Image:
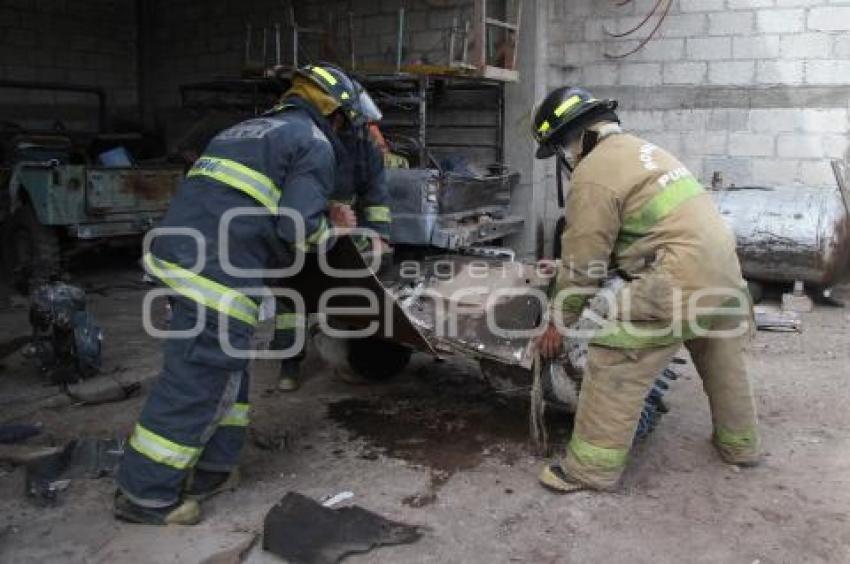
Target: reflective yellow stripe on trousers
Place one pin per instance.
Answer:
(203, 290)
(288, 320)
(236, 175)
(161, 450)
(237, 416)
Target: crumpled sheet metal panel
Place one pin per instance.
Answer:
(788, 234)
(450, 309)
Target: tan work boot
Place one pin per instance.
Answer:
(553, 477)
(184, 512)
(738, 457)
(288, 384)
(738, 449)
(202, 484)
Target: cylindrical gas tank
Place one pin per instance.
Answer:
(788, 234)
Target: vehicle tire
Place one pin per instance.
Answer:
(377, 359)
(756, 290)
(31, 252)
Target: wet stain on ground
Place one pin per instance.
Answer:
(445, 429)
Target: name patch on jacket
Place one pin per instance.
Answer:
(251, 129)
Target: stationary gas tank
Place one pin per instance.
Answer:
(788, 234)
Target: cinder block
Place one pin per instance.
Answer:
(756, 47)
(728, 120)
(428, 40)
(640, 74)
(684, 25)
(817, 173)
(775, 172)
(834, 18)
(781, 21)
(709, 48)
(795, 3)
(824, 120)
(779, 72)
(730, 23)
(725, 72)
(685, 73)
(685, 120)
(383, 24)
(670, 141)
(735, 170)
(706, 143)
(441, 19)
(775, 120)
(661, 50)
(642, 120)
(827, 71)
(701, 5)
(805, 46)
(834, 146)
(800, 146)
(841, 47)
(744, 4)
(751, 145)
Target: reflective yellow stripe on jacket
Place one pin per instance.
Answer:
(660, 206)
(161, 450)
(378, 214)
(203, 290)
(236, 175)
(237, 416)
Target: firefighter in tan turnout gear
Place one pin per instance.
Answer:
(635, 210)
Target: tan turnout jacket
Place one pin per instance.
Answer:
(634, 207)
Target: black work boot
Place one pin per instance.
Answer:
(183, 512)
(204, 484)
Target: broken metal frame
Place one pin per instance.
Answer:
(423, 85)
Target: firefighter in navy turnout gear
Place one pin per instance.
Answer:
(186, 444)
(361, 183)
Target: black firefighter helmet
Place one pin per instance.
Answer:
(565, 113)
(336, 84)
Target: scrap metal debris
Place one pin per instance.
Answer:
(66, 342)
(17, 432)
(302, 531)
(768, 319)
(80, 458)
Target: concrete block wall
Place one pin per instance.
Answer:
(196, 41)
(89, 42)
(754, 89)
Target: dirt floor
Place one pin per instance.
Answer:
(434, 448)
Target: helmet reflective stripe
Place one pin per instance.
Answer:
(329, 78)
(566, 105)
(544, 127)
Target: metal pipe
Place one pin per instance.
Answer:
(400, 39)
(277, 44)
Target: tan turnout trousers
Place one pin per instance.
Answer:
(612, 395)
